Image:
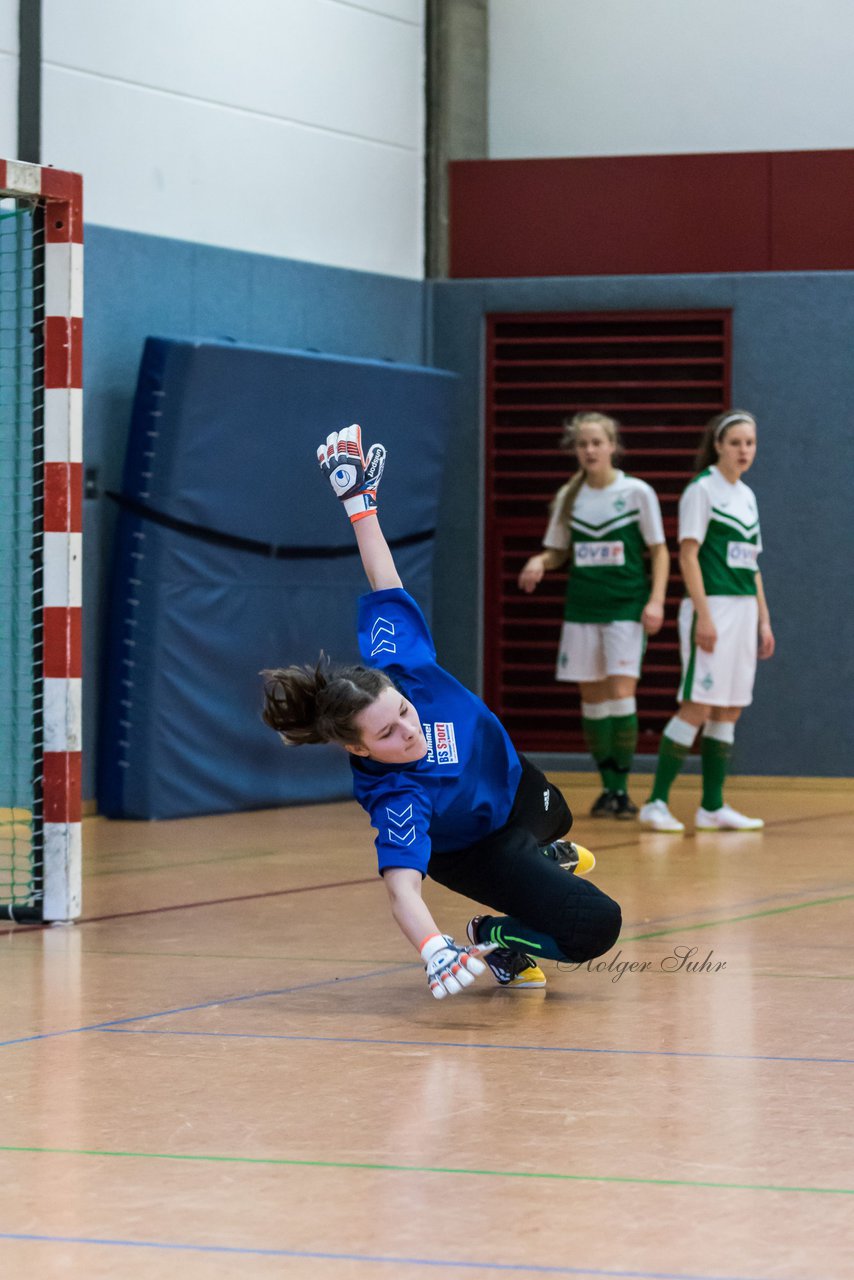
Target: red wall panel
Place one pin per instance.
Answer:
(663, 373)
(812, 211)
(751, 211)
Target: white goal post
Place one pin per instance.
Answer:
(41, 321)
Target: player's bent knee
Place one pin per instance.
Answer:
(594, 935)
(610, 929)
(560, 814)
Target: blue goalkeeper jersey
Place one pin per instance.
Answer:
(465, 786)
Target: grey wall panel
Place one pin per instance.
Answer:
(792, 365)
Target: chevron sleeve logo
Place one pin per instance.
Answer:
(398, 832)
(380, 632)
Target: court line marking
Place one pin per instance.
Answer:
(189, 906)
(145, 869)
(686, 915)
(756, 915)
(743, 972)
(207, 1004)
(746, 902)
(370, 1166)
(771, 825)
(215, 902)
(461, 1044)
(328, 1256)
(338, 884)
(116, 1023)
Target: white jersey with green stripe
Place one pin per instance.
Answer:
(608, 533)
(723, 518)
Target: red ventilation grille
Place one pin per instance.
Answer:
(662, 375)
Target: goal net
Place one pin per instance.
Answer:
(41, 256)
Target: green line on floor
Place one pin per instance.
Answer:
(756, 915)
(414, 1168)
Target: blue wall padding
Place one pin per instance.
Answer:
(224, 437)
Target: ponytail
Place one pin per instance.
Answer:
(307, 704)
(564, 500)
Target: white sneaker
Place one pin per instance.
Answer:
(657, 817)
(725, 819)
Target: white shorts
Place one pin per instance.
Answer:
(723, 678)
(594, 650)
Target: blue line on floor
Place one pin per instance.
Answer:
(205, 1004)
(462, 1044)
(324, 1256)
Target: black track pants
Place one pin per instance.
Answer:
(508, 872)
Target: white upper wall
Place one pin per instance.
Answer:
(286, 127)
(644, 77)
(8, 79)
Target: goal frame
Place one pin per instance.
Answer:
(57, 812)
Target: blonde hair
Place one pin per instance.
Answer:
(564, 500)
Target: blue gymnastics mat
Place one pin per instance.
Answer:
(232, 555)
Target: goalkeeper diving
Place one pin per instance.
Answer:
(446, 791)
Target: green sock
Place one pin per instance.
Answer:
(625, 740)
(509, 932)
(598, 736)
(715, 757)
(671, 757)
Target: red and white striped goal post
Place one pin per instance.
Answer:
(60, 194)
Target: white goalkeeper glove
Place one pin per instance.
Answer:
(354, 477)
(449, 967)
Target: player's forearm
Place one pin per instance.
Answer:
(692, 576)
(660, 560)
(377, 560)
(552, 558)
(403, 886)
(762, 603)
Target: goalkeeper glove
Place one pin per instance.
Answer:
(354, 477)
(449, 967)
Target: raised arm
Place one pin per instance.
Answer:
(355, 479)
(377, 560)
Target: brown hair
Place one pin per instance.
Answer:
(320, 703)
(564, 500)
(716, 429)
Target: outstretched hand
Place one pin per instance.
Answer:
(353, 476)
(451, 968)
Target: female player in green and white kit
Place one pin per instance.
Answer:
(604, 520)
(724, 623)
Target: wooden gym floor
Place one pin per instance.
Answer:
(232, 1066)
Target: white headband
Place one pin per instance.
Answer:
(730, 419)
